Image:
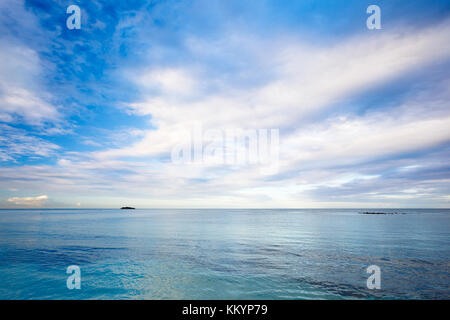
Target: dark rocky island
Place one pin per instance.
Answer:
(369, 212)
(127, 208)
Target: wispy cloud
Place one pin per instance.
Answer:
(38, 201)
(16, 143)
(21, 95)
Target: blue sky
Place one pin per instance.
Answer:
(88, 117)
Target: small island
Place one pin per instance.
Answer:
(368, 212)
(127, 208)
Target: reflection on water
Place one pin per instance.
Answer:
(224, 254)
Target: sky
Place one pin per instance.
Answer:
(89, 117)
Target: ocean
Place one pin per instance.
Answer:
(224, 254)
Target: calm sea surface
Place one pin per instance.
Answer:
(224, 254)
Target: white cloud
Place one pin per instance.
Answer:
(21, 92)
(168, 81)
(38, 201)
(360, 139)
(16, 143)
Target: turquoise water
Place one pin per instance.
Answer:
(224, 254)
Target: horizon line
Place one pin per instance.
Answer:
(224, 208)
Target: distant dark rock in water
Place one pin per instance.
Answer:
(368, 212)
(127, 208)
